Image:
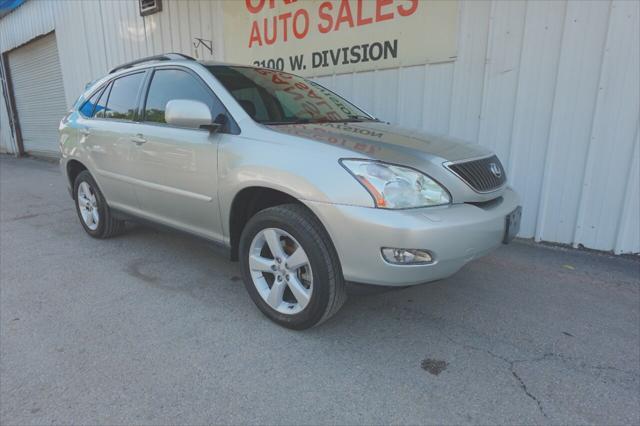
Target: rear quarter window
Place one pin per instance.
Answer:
(87, 109)
(101, 106)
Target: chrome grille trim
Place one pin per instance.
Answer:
(477, 173)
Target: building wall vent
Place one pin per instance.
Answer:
(148, 7)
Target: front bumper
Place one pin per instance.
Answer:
(455, 234)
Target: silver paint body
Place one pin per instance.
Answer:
(187, 179)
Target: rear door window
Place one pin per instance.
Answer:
(122, 103)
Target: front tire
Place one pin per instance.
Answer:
(290, 267)
(94, 213)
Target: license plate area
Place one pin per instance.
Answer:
(512, 226)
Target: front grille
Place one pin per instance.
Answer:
(484, 175)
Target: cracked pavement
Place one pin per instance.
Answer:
(155, 328)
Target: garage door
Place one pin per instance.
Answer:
(39, 94)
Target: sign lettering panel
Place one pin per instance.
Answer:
(316, 37)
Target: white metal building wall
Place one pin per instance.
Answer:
(552, 86)
(95, 36)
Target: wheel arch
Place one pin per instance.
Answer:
(249, 201)
(73, 169)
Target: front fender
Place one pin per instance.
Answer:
(301, 171)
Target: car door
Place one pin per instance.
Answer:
(106, 131)
(176, 168)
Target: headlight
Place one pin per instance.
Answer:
(397, 187)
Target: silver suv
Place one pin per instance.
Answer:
(305, 189)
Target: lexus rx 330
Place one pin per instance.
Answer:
(304, 188)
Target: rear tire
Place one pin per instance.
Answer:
(296, 306)
(94, 213)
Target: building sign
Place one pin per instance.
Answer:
(316, 37)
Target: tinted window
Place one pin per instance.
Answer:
(122, 99)
(169, 84)
(87, 108)
(101, 106)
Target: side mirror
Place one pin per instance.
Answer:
(187, 113)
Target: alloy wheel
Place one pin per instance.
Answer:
(88, 205)
(281, 271)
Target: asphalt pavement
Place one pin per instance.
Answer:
(154, 328)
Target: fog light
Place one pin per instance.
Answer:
(400, 256)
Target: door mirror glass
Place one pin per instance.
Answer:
(187, 113)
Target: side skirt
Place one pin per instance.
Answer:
(217, 246)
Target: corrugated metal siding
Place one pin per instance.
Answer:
(584, 33)
(628, 236)
(552, 86)
(110, 32)
(534, 103)
(613, 132)
(39, 93)
(31, 19)
(469, 69)
(95, 36)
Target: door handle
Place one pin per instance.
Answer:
(85, 131)
(138, 139)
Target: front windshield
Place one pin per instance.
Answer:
(276, 97)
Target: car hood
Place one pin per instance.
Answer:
(385, 142)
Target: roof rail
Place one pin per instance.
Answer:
(163, 57)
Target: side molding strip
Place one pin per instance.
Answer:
(156, 186)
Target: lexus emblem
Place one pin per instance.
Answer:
(495, 169)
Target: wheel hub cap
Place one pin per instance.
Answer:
(281, 271)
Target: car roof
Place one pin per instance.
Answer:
(176, 59)
(169, 59)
